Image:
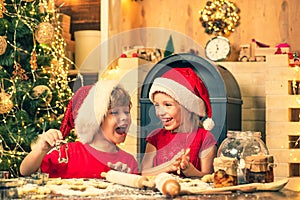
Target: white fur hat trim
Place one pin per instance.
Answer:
(180, 93)
(93, 110)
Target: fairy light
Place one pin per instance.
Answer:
(219, 17)
(55, 76)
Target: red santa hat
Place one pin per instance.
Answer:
(87, 109)
(187, 89)
(70, 114)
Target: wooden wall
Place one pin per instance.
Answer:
(269, 21)
(85, 14)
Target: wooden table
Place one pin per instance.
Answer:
(124, 193)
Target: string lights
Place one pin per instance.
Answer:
(33, 76)
(219, 17)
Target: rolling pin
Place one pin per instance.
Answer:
(167, 184)
(131, 180)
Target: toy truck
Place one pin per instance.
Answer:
(251, 52)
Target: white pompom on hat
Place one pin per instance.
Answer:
(187, 89)
(90, 108)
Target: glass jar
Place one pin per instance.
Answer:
(254, 145)
(240, 144)
(259, 169)
(225, 172)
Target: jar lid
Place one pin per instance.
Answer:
(254, 134)
(229, 165)
(258, 163)
(236, 134)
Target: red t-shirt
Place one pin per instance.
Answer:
(83, 161)
(168, 144)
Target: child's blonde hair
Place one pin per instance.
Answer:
(119, 97)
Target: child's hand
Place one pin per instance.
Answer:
(178, 162)
(174, 167)
(47, 140)
(175, 163)
(185, 159)
(119, 166)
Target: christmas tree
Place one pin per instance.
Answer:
(34, 87)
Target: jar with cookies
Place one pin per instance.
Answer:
(240, 144)
(225, 172)
(259, 169)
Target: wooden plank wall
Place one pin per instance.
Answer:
(269, 21)
(85, 14)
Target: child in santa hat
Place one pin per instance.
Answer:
(185, 144)
(101, 116)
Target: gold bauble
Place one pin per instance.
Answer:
(3, 45)
(40, 89)
(44, 33)
(6, 103)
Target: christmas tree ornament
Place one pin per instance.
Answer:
(33, 61)
(44, 33)
(7, 88)
(2, 8)
(6, 103)
(3, 45)
(19, 72)
(38, 92)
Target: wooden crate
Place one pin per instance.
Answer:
(282, 116)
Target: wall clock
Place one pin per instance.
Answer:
(217, 48)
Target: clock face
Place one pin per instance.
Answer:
(217, 49)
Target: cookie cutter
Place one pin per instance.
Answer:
(58, 145)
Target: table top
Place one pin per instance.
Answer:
(102, 189)
(146, 194)
(124, 193)
(278, 195)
